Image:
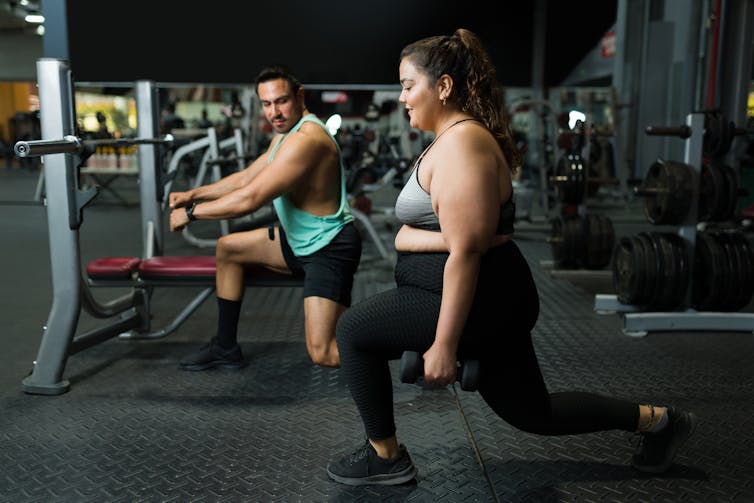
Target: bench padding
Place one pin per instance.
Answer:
(180, 268)
(113, 267)
(189, 267)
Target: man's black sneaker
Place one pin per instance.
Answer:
(364, 466)
(656, 450)
(213, 355)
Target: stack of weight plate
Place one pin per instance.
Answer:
(652, 270)
(581, 242)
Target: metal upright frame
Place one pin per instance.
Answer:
(150, 182)
(65, 202)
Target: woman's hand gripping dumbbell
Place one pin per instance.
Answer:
(412, 367)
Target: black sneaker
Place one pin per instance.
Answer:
(656, 450)
(213, 355)
(364, 466)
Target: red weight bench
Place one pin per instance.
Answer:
(175, 271)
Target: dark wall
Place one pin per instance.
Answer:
(325, 42)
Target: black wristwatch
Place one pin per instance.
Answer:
(190, 212)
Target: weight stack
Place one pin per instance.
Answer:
(581, 242)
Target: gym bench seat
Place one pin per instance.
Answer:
(175, 270)
(113, 268)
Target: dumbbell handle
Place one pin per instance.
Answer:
(412, 367)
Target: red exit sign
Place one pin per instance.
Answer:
(608, 45)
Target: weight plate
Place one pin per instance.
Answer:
(653, 272)
(709, 273)
(628, 270)
(710, 192)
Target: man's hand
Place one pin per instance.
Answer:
(179, 200)
(178, 218)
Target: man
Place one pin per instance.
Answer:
(302, 173)
(170, 120)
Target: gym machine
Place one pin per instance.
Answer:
(129, 315)
(65, 203)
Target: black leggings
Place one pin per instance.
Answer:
(497, 333)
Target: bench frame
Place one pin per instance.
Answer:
(132, 272)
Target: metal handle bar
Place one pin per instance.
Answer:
(72, 144)
(681, 131)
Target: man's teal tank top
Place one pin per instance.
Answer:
(307, 233)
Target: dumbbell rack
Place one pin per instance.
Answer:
(637, 323)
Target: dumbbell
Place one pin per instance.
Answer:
(412, 367)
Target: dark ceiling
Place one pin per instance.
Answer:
(334, 42)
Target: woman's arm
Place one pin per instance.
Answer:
(467, 229)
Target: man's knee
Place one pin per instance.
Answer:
(225, 248)
(237, 247)
(321, 318)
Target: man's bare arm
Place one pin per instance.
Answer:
(229, 183)
(291, 164)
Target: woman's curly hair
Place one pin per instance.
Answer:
(476, 90)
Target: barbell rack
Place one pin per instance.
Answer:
(638, 323)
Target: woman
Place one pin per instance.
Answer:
(463, 288)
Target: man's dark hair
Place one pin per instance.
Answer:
(277, 71)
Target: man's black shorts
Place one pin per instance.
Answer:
(328, 272)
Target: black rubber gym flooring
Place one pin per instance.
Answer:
(134, 428)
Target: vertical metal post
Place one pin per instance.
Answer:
(214, 153)
(248, 99)
(150, 179)
(56, 117)
(55, 38)
(693, 157)
(691, 61)
(736, 60)
(537, 131)
(240, 149)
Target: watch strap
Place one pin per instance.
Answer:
(190, 212)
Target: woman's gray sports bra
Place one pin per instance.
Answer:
(414, 204)
(414, 207)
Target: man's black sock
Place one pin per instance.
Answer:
(228, 312)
